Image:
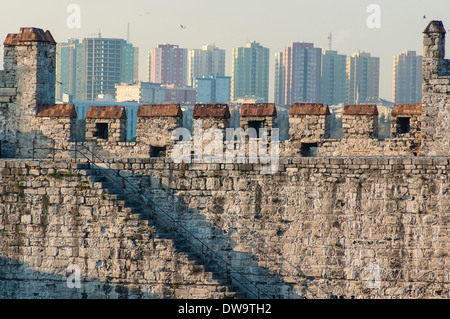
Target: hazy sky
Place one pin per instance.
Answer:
(232, 23)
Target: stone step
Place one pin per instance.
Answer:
(163, 231)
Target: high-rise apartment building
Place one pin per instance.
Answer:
(212, 89)
(250, 72)
(333, 88)
(407, 78)
(168, 65)
(130, 63)
(102, 66)
(278, 85)
(94, 66)
(209, 60)
(363, 77)
(68, 69)
(298, 74)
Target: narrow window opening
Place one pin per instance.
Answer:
(257, 125)
(404, 125)
(101, 131)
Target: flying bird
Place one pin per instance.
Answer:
(424, 17)
(183, 27)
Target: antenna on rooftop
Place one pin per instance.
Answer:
(330, 41)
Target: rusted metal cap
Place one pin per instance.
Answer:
(435, 26)
(309, 109)
(29, 35)
(56, 110)
(258, 110)
(106, 112)
(361, 109)
(407, 109)
(211, 111)
(159, 110)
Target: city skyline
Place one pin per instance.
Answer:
(274, 25)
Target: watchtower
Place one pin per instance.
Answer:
(28, 80)
(435, 94)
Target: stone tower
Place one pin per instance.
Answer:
(436, 88)
(27, 81)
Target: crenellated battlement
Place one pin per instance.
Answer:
(28, 80)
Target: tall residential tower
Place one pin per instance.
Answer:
(209, 60)
(298, 74)
(68, 69)
(407, 78)
(363, 77)
(333, 78)
(250, 72)
(168, 65)
(94, 66)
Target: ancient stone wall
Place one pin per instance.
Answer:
(54, 219)
(322, 225)
(360, 126)
(368, 147)
(318, 228)
(309, 128)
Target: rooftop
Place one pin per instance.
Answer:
(435, 27)
(211, 111)
(159, 110)
(407, 109)
(362, 109)
(309, 109)
(29, 35)
(106, 112)
(258, 109)
(56, 110)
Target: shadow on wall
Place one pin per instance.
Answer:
(17, 281)
(194, 227)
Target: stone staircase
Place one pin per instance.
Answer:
(165, 229)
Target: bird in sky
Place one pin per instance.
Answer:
(183, 27)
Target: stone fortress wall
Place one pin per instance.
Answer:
(334, 215)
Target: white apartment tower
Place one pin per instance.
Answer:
(363, 77)
(407, 78)
(209, 60)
